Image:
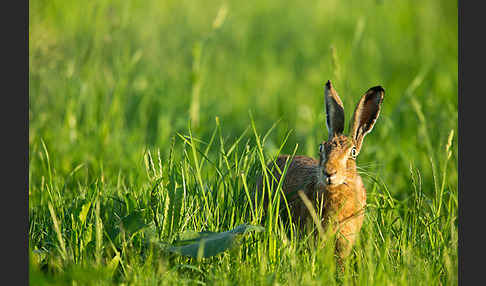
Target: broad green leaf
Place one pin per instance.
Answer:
(206, 244)
(190, 236)
(133, 222)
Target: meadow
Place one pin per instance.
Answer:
(148, 119)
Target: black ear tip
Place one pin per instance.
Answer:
(328, 84)
(377, 88)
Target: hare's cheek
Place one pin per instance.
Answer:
(344, 160)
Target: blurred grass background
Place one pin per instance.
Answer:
(110, 80)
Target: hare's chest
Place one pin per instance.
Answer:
(343, 206)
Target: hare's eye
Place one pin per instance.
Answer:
(354, 152)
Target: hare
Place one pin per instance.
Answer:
(333, 178)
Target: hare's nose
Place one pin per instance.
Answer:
(329, 176)
(330, 173)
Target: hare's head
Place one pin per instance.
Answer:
(338, 153)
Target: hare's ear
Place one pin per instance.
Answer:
(365, 114)
(334, 111)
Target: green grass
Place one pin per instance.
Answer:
(167, 111)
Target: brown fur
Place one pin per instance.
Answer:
(344, 204)
(333, 177)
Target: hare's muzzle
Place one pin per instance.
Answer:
(329, 177)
